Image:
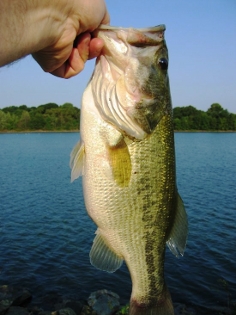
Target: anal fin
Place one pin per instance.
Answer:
(102, 257)
(178, 235)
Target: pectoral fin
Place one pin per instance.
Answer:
(103, 257)
(120, 162)
(118, 157)
(178, 235)
(77, 161)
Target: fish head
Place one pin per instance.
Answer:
(130, 82)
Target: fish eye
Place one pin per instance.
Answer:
(163, 62)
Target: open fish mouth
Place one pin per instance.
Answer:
(139, 37)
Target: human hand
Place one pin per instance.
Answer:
(73, 46)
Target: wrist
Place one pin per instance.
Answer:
(44, 25)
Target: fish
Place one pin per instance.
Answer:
(126, 156)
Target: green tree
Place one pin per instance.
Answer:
(10, 109)
(11, 120)
(43, 108)
(216, 118)
(37, 121)
(24, 107)
(231, 122)
(3, 120)
(50, 121)
(187, 118)
(217, 111)
(24, 121)
(204, 123)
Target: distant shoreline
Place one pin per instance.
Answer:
(208, 131)
(39, 131)
(73, 131)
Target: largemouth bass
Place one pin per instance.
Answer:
(127, 158)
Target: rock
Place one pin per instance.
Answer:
(17, 295)
(64, 311)
(76, 306)
(35, 310)
(4, 306)
(104, 302)
(23, 299)
(50, 301)
(17, 310)
(6, 292)
(87, 310)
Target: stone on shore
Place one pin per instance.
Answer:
(64, 311)
(17, 310)
(13, 300)
(4, 306)
(104, 302)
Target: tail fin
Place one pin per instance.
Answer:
(162, 306)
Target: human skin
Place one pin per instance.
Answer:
(56, 33)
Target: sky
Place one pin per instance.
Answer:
(201, 39)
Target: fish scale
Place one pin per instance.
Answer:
(129, 177)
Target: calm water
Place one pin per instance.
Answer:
(45, 234)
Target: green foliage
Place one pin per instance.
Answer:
(216, 118)
(47, 117)
(3, 120)
(124, 310)
(52, 117)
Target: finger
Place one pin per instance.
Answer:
(95, 47)
(77, 59)
(71, 67)
(82, 44)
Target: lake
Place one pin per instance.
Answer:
(46, 235)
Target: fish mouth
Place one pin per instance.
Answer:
(157, 28)
(139, 37)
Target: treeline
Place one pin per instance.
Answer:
(52, 117)
(214, 119)
(48, 117)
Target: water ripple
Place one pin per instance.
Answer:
(46, 235)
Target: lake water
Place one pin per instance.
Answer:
(46, 235)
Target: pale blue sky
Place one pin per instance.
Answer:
(201, 38)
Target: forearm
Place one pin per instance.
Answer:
(26, 26)
(47, 29)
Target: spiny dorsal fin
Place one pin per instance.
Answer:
(102, 257)
(77, 161)
(178, 235)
